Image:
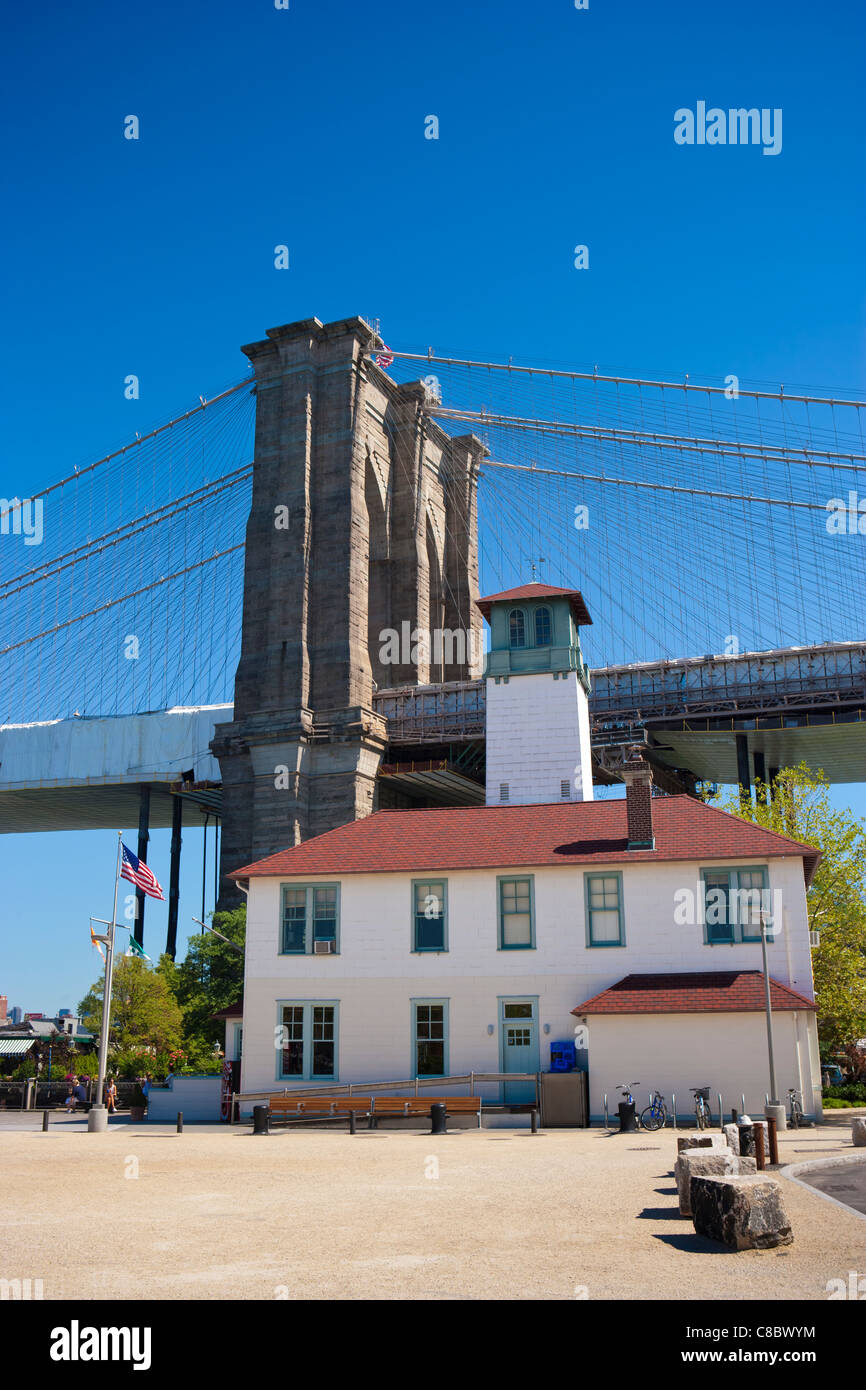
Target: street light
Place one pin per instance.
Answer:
(774, 1109)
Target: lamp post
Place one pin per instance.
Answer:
(97, 1119)
(773, 1110)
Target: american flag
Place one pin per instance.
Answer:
(385, 357)
(138, 873)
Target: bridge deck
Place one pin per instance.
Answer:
(797, 704)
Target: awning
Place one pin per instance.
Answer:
(15, 1047)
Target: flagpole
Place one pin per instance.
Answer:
(97, 1119)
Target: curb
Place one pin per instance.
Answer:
(793, 1170)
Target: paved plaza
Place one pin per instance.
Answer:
(216, 1213)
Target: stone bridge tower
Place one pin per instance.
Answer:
(363, 519)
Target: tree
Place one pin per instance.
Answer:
(144, 1012)
(799, 808)
(208, 980)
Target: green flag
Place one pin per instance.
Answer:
(136, 950)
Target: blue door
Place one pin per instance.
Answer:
(518, 1027)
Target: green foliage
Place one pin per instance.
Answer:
(801, 810)
(853, 1092)
(84, 1064)
(161, 1017)
(144, 1014)
(207, 981)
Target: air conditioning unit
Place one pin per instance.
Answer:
(323, 948)
(814, 939)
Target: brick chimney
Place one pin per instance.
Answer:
(638, 779)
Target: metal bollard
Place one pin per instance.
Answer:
(759, 1148)
(627, 1121)
(533, 1122)
(734, 1116)
(773, 1138)
(674, 1108)
(721, 1111)
(44, 1121)
(260, 1119)
(180, 1122)
(351, 1122)
(437, 1117)
(606, 1119)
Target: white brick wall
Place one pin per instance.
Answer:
(375, 975)
(537, 736)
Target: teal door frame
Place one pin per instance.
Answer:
(527, 1052)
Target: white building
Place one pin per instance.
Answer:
(438, 942)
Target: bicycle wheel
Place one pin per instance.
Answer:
(702, 1116)
(651, 1118)
(796, 1114)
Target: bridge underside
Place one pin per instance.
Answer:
(115, 807)
(711, 754)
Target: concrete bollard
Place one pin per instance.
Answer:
(858, 1133)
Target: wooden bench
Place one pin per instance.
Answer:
(419, 1106)
(324, 1107)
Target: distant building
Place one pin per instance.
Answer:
(3, 1008)
(15, 1014)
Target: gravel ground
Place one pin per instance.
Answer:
(219, 1214)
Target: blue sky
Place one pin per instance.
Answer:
(306, 127)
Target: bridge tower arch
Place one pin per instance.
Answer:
(349, 472)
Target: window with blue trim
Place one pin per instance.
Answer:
(515, 914)
(430, 1036)
(543, 627)
(428, 910)
(736, 901)
(307, 1041)
(516, 628)
(604, 916)
(310, 915)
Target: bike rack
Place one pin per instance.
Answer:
(674, 1108)
(721, 1111)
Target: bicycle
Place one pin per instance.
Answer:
(795, 1119)
(655, 1116)
(702, 1109)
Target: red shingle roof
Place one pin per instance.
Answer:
(482, 837)
(719, 992)
(528, 591)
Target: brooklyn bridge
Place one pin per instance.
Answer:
(196, 625)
